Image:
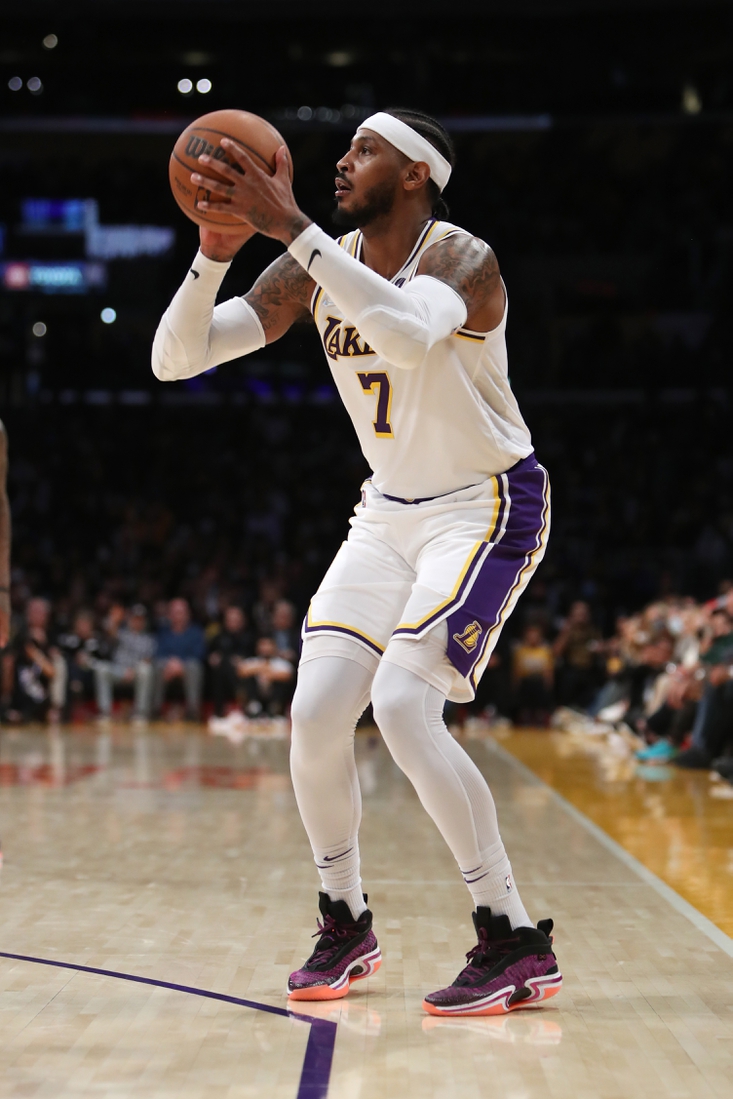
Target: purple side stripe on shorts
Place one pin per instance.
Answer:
(504, 571)
(469, 576)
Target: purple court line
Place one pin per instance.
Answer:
(316, 1071)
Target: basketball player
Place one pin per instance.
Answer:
(4, 542)
(411, 311)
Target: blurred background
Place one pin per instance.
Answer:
(595, 154)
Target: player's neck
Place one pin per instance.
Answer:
(389, 240)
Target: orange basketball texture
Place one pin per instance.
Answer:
(255, 134)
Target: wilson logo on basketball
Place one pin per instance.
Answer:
(197, 146)
(469, 638)
(343, 342)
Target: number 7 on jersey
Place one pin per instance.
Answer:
(380, 381)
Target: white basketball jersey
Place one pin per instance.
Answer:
(450, 423)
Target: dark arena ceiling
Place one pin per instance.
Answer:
(493, 57)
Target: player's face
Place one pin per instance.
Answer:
(367, 180)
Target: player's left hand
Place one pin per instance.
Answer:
(264, 201)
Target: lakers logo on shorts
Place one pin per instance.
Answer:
(469, 638)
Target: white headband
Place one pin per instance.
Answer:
(411, 143)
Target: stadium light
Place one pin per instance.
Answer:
(35, 85)
(39, 329)
(185, 86)
(50, 42)
(691, 99)
(203, 85)
(109, 316)
(15, 83)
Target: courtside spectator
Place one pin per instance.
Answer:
(34, 671)
(533, 674)
(576, 650)
(131, 666)
(180, 655)
(284, 633)
(269, 680)
(232, 644)
(713, 726)
(270, 592)
(83, 647)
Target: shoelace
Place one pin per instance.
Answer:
(485, 954)
(332, 928)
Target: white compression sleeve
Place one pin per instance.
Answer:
(194, 335)
(400, 323)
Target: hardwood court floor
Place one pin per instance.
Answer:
(173, 856)
(676, 822)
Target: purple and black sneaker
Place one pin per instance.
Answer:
(346, 951)
(506, 970)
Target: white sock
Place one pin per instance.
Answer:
(492, 885)
(340, 877)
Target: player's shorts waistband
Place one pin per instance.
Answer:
(426, 499)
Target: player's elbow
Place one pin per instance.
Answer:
(398, 338)
(168, 358)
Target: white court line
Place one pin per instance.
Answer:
(702, 923)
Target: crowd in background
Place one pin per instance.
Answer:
(200, 520)
(155, 661)
(663, 675)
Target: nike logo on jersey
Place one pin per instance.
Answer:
(314, 253)
(342, 341)
(194, 273)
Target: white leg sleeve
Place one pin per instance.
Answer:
(400, 323)
(194, 335)
(331, 695)
(409, 713)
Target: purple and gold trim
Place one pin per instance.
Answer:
(523, 577)
(342, 629)
(315, 302)
(474, 337)
(470, 570)
(474, 626)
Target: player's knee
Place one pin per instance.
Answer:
(308, 712)
(397, 703)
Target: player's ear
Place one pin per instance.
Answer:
(416, 176)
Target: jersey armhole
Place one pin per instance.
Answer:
(470, 333)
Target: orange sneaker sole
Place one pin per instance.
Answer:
(542, 988)
(341, 989)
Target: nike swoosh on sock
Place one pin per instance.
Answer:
(334, 858)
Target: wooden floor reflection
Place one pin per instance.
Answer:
(677, 823)
(172, 855)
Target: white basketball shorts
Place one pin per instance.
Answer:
(428, 584)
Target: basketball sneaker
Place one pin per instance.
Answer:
(346, 951)
(507, 969)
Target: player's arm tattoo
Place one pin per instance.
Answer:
(281, 296)
(470, 267)
(4, 541)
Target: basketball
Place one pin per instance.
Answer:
(255, 134)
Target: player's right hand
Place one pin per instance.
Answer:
(223, 247)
